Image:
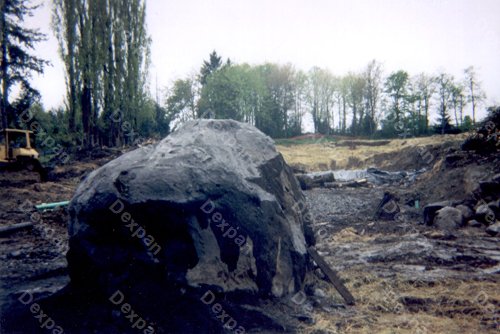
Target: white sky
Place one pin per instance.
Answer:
(341, 35)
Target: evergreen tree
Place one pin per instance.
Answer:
(17, 62)
(210, 66)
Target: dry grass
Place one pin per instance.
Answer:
(400, 305)
(394, 305)
(322, 156)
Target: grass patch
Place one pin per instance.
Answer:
(304, 141)
(447, 306)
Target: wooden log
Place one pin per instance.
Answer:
(356, 183)
(314, 180)
(332, 276)
(4, 230)
(352, 184)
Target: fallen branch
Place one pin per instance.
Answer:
(332, 276)
(4, 230)
(351, 184)
(314, 180)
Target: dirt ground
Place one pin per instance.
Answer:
(406, 277)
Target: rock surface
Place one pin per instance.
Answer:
(448, 219)
(213, 204)
(431, 210)
(485, 215)
(466, 211)
(493, 229)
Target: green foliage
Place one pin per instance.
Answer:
(373, 81)
(444, 83)
(181, 101)
(105, 48)
(264, 96)
(468, 124)
(396, 87)
(321, 99)
(211, 66)
(355, 94)
(275, 98)
(224, 94)
(368, 125)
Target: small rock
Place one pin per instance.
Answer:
(16, 253)
(319, 293)
(492, 270)
(494, 229)
(490, 190)
(453, 160)
(496, 178)
(436, 235)
(474, 223)
(431, 209)
(448, 218)
(467, 212)
(495, 207)
(305, 318)
(485, 215)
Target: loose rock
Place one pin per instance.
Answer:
(494, 229)
(467, 212)
(474, 223)
(430, 210)
(448, 219)
(485, 215)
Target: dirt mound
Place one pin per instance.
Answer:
(455, 175)
(412, 157)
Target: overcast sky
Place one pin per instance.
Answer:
(414, 35)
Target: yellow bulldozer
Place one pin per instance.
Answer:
(16, 150)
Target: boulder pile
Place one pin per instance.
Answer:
(480, 208)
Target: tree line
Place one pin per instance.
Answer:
(104, 46)
(275, 99)
(17, 59)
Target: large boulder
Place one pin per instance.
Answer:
(212, 205)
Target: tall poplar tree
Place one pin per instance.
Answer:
(105, 48)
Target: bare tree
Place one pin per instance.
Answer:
(475, 95)
(425, 86)
(373, 82)
(444, 89)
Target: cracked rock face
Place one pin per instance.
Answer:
(213, 204)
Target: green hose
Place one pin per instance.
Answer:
(49, 206)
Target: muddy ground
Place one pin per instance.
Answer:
(406, 277)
